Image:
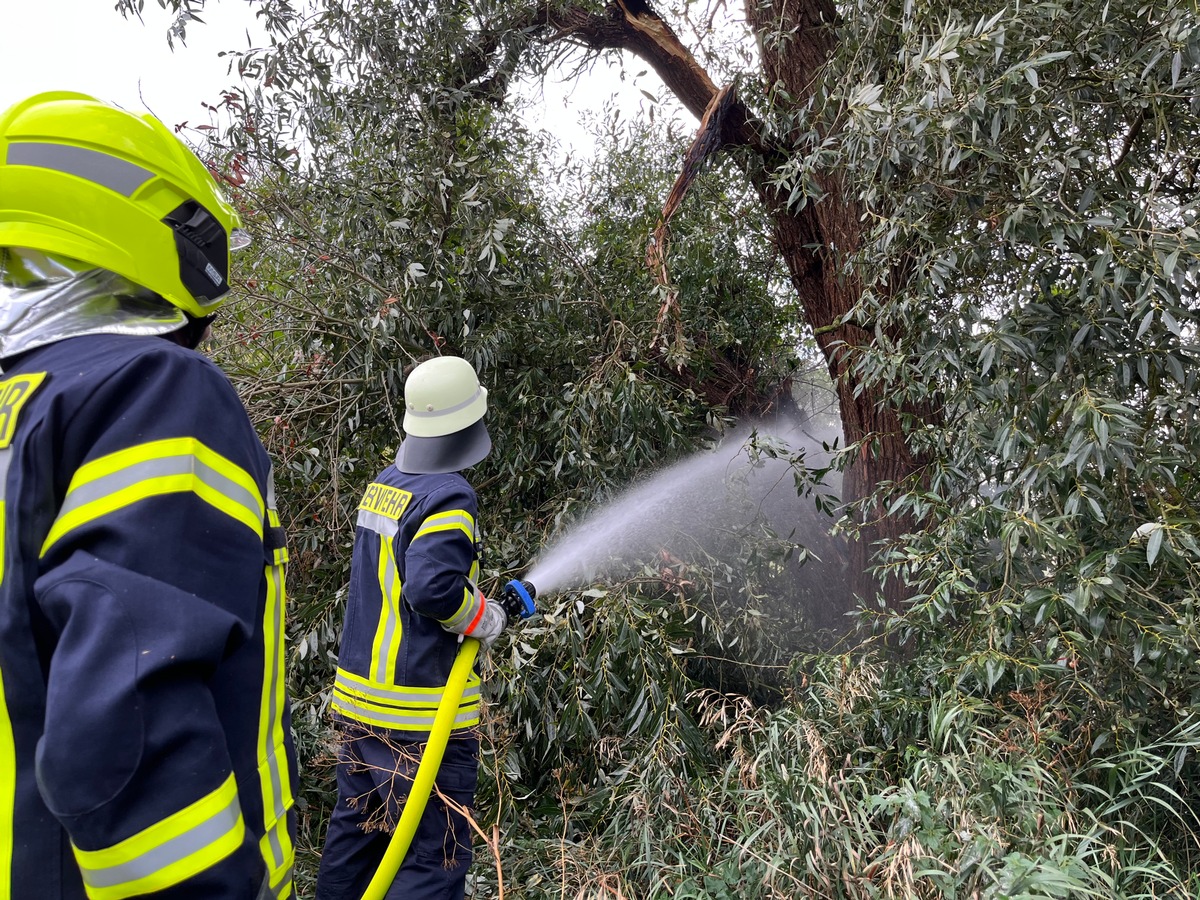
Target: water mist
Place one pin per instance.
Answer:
(694, 500)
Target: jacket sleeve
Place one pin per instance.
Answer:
(152, 577)
(440, 562)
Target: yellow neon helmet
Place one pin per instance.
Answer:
(118, 191)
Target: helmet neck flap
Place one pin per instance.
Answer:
(444, 453)
(45, 298)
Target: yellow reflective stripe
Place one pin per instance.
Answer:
(448, 521)
(175, 465)
(14, 392)
(169, 852)
(397, 694)
(361, 709)
(281, 879)
(279, 555)
(8, 789)
(8, 743)
(283, 889)
(382, 718)
(276, 844)
(466, 611)
(390, 629)
(399, 707)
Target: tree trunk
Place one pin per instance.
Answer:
(814, 239)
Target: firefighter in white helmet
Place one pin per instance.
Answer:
(413, 593)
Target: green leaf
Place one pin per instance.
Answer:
(1154, 544)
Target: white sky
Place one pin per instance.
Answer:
(87, 46)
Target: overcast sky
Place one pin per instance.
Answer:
(86, 46)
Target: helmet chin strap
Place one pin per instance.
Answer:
(192, 332)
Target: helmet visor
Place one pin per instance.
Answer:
(239, 239)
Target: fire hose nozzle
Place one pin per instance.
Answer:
(517, 599)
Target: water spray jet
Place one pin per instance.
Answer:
(755, 474)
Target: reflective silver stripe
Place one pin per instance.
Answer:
(389, 611)
(450, 410)
(275, 652)
(100, 168)
(397, 696)
(178, 848)
(5, 462)
(97, 488)
(363, 711)
(380, 524)
(275, 805)
(283, 888)
(273, 714)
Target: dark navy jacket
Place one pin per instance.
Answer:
(414, 569)
(144, 730)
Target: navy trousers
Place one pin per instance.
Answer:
(373, 777)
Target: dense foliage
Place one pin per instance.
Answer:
(369, 259)
(1026, 725)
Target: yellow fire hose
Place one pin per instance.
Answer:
(517, 600)
(431, 761)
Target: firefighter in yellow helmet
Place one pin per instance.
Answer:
(144, 734)
(413, 592)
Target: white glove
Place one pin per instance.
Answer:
(487, 626)
(484, 624)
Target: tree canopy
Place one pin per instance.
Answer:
(974, 224)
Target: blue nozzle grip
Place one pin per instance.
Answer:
(518, 599)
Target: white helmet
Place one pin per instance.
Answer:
(444, 405)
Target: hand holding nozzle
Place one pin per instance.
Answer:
(488, 624)
(493, 615)
(482, 620)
